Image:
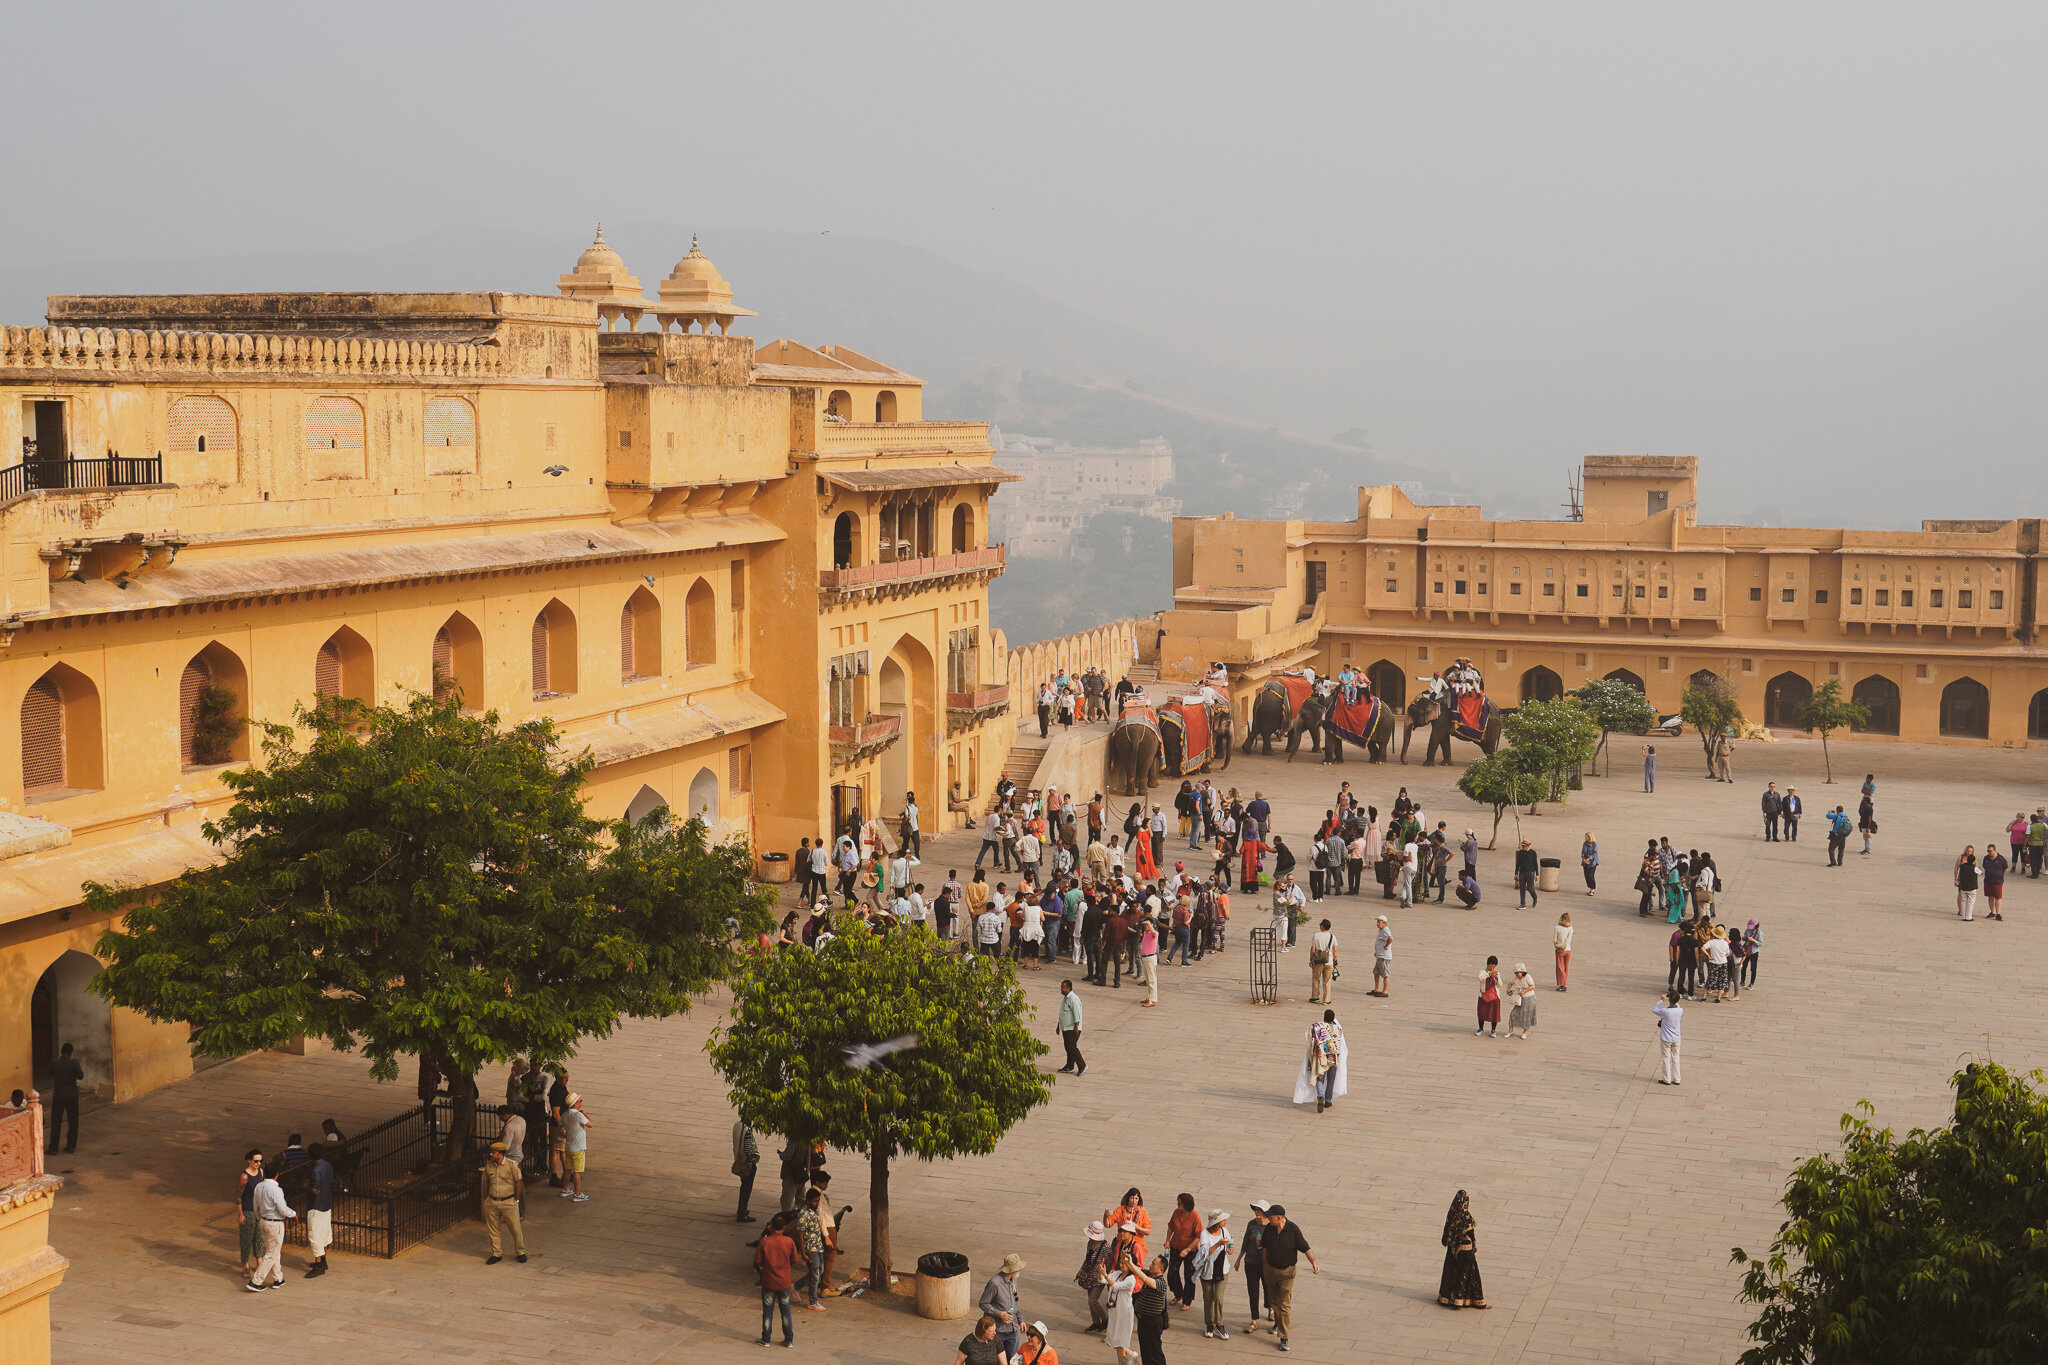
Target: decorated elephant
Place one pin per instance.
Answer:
(1309, 721)
(1357, 716)
(1274, 709)
(1200, 722)
(1427, 712)
(1134, 756)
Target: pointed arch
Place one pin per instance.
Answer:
(343, 668)
(640, 637)
(846, 544)
(554, 651)
(459, 661)
(1623, 675)
(1541, 684)
(700, 625)
(1878, 695)
(2037, 715)
(704, 796)
(61, 745)
(1966, 709)
(213, 696)
(1785, 698)
(645, 802)
(1389, 682)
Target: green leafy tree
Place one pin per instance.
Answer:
(1501, 782)
(1919, 1250)
(1709, 705)
(1550, 736)
(972, 1074)
(1828, 710)
(420, 880)
(1615, 705)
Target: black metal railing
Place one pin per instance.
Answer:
(103, 471)
(401, 1182)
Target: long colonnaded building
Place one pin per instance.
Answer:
(754, 584)
(1933, 630)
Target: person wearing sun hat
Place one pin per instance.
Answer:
(1212, 1272)
(1251, 1255)
(1093, 1276)
(1037, 1348)
(999, 1301)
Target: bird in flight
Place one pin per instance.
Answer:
(861, 1056)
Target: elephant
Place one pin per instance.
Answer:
(1172, 760)
(1134, 756)
(1314, 715)
(1426, 710)
(1269, 718)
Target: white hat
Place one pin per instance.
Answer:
(1096, 1232)
(1218, 1216)
(1382, 919)
(1043, 1335)
(1521, 968)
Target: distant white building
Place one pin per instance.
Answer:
(1064, 485)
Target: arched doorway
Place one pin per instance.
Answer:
(2037, 715)
(645, 802)
(459, 661)
(704, 796)
(1704, 678)
(893, 699)
(1540, 684)
(1966, 709)
(840, 405)
(905, 687)
(1785, 698)
(885, 406)
(1622, 675)
(846, 541)
(62, 1010)
(963, 529)
(1880, 696)
(1389, 683)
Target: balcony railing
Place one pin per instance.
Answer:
(911, 571)
(979, 699)
(840, 437)
(108, 471)
(855, 743)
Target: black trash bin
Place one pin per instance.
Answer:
(942, 1265)
(943, 1289)
(1548, 874)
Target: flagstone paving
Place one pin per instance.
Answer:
(1606, 1204)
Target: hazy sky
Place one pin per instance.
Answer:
(1807, 243)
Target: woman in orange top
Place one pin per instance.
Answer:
(1036, 1350)
(1183, 1230)
(1132, 1211)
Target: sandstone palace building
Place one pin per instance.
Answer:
(1934, 630)
(753, 582)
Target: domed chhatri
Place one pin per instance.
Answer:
(601, 277)
(695, 293)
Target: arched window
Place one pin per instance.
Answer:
(459, 661)
(1389, 683)
(342, 668)
(840, 404)
(554, 651)
(1966, 709)
(885, 406)
(704, 796)
(963, 528)
(846, 541)
(202, 429)
(700, 625)
(1880, 696)
(450, 436)
(211, 695)
(334, 438)
(1540, 684)
(1785, 698)
(640, 637)
(1623, 675)
(60, 735)
(645, 802)
(1705, 677)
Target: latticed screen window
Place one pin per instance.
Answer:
(540, 656)
(42, 738)
(196, 679)
(327, 670)
(626, 654)
(739, 585)
(444, 663)
(740, 769)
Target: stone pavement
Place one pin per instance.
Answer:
(1606, 1204)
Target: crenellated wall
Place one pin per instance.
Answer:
(120, 350)
(1111, 648)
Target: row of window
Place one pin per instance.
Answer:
(62, 751)
(1965, 597)
(335, 435)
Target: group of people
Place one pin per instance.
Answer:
(1085, 697)
(799, 1250)
(262, 1208)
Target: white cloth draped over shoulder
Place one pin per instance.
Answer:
(1305, 1083)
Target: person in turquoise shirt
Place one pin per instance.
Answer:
(1070, 1030)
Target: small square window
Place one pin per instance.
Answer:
(1756, 594)
(1581, 659)
(1582, 589)
(1663, 663)
(1550, 573)
(1422, 654)
(1482, 590)
(1641, 591)
(1617, 589)
(1240, 568)
(1919, 670)
(1820, 596)
(1905, 597)
(1749, 665)
(1393, 586)
(1437, 586)
(1550, 589)
(1699, 594)
(1963, 597)
(1998, 599)
(1343, 585)
(1788, 594)
(1460, 589)
(625, 440)
(1834, 670)
(1934, 597)
(1884, 597)
(1343, 651)
(1855, 597)
(1500, 656)
(1663, 591)
(1514, 589)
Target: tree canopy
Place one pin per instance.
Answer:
(1548, 737)
(1828, 710)
(424, 880)
(1919, 1250)
(1709, 705)
(971, 1076)
(1498, 781)
(1615, 705)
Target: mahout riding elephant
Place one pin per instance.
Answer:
(1428, 713)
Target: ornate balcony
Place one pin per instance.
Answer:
(908, 575)
(964, 710)
(858, 743)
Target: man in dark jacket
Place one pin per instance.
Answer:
(1773, 804)
(1525, 875)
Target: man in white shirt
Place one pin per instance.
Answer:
(988, 930)
(821, 868)
(1157, 825)
(1382, 959)
(991, 839)
(1286, 897)
(911, 842)
(270, 1211)
(1669, 1013)
(1410, 866)
(1029, 851)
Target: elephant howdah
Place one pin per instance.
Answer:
(1427, 712)
(1193, 732)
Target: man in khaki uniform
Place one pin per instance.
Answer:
(504, 1186)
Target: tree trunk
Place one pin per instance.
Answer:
(1494, 838)
(462, 1121)
(878, 1218)
(1827, 758)
(1707, 743)
(1603, 750)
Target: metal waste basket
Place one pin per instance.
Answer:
(1547, 873)
(944, 1289)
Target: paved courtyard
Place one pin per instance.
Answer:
(1606, 1204)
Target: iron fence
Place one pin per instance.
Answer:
(107, 471)
(399, 1183)
(1265, 964)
